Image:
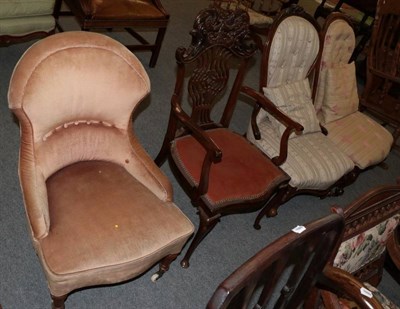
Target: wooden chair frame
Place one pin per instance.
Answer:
(212, 50)
(87, 23)
(308, 253)
(373, 207)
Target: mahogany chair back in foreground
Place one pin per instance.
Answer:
(283, 274)
(370, 237)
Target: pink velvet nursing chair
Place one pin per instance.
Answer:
(99, 210)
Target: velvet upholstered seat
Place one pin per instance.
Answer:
(99, 209)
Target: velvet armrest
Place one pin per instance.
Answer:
(340, 281)
(291, 125)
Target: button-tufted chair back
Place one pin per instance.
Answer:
(338, 46)
(292, 52)
(61, 93)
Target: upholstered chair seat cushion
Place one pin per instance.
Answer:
(25, 8)
(228, 178)
(258, 18)
(25, 25)
(104, 221)
(120, 9)
(18, 18)
(364, 140)
(255, 17)
(313, 161)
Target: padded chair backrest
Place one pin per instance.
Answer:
(292, 263)
(289, 54)
(73, 94)
(220, 42)
(338, 43)
(370, 221)
(291, 49)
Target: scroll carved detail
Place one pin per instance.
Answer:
(216, 26)
(218, 36)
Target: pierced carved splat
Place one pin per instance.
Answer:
(208, 82)
(218, 37)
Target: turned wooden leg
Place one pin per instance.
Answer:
(206, 225)
(58, 302)
(164, 266)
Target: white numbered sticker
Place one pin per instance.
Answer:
(366, 292)
(299, 229)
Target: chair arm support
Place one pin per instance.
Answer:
(272, 109)
(339, 280)
(198, 133)
(290, 124)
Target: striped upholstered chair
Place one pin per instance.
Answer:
(287, 129)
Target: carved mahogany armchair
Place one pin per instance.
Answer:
(289, 268)
(370, 222)
(219, 169)
(99, 210)
(381, 95)
(121, 14)
(288, 130)
(336, 101)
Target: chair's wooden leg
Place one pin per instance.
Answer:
(164, 266)
(162, 155)
(58, 302)
(271, 208)
(157, 47)
(206, 225)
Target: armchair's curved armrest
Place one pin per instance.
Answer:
(341, 281)
(291, 125)
(198, 133)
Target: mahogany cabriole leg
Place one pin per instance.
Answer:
(206, 225)
(164, 266)
(271, 208)
(58, 302)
